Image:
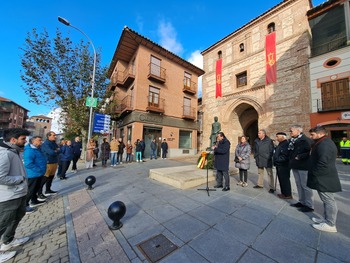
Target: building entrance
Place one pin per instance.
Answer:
(148, 135)
(248, 119)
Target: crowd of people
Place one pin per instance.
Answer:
(312, 161)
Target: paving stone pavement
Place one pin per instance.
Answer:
(242, 225)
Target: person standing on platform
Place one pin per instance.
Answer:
(281, 162)
(77, 149)
(299, 149)
(66, 156)
(263, 152)
(89, 159)
(242, 160)
(128, 152)
(323, 177)
(164, 147)
(13, 190)
(114, 149)
(105, 152)
(222, 161)
(120, 152)
(153, 149)
(345, 150)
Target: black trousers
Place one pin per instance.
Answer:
(65, 166)
(75, 160)
(283, 174)
(47, 181)
(243, 175)
(34, 185)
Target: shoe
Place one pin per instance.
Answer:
(75, 171)
(271, 191)
(244, 184)
(282, 196)
(41, 197)
(111, 165)
(257, 187)
(306, 209)
(114, 165)
(218, 186)
(50, 192)
(297, 205)
(14, 243)
(37, 203)
(240, 183)
(325, 227)
(226, 189)
(121, 162)
(29, 210)
(317, 220)
(4, 256)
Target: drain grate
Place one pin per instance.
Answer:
(156, 248)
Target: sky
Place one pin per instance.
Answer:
(183, 27)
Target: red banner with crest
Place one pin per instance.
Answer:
(270, 49)
(218, 92)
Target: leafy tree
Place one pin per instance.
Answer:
(58, 73)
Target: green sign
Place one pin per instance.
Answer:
(91, 102)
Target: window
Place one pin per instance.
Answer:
(155, 66)
(187, 107)
(219, 54)
(153, 99)
(241, 47)
(271, 28)
(241, 79)
(335, 95)
(187, 79)
(185, 140)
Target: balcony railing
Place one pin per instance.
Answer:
(333, 103)
(189, 86)
(5, 109)
(155, 104)
(156, 73)
(189, 113)
(329, 46)
(124, 105)
(126, 77)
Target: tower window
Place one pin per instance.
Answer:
(271, 28)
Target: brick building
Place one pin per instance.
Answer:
(330, 67)
(248, 103)
(42, 125)
(12, 115)
(153, 95)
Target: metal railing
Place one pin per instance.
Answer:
(189, 112)
(329, 46)
(124, 104)
(155, 103)
(156, 72)
(189, 85)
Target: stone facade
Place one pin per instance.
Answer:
(274, 107)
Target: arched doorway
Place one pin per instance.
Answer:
(248, 119)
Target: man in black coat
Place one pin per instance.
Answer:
(299, 147)
(222, 161)
(281, 161)
(77, 148)
(263, 152)
(323, 177)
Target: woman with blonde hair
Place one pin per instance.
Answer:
(90, 153)
(242, 160)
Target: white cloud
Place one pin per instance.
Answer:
(139, 22)
(196, 59)
(56, 115)
(167, 34)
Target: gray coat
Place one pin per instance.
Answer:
(13, 176)
(243, 151)
(263, 151)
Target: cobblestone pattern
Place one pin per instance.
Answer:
(47, 229)
(96, 242)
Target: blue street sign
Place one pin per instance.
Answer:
(102, 123)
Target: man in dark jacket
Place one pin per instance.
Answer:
(51, 151)
(281, 161)
(77, 148)
(263, 152)
(222, 161)
(323, 177)
(299, 147)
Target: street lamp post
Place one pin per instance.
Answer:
(66, 22)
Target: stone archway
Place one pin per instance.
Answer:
(248, 119)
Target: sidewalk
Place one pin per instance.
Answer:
(242, 225)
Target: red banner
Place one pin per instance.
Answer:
(218, 78)
(270, 49)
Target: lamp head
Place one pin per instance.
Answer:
(63, 21)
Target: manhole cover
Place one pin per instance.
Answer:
(156, 248)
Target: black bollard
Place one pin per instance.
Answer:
(90, 180)
(115, 212)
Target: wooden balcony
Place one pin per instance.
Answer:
(189, 113)
(124, 105)
(189, 86)
(155, 105)
(126, 77)
(333, 103)
(4, 109)
(156, 73)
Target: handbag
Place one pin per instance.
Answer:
(236, 159)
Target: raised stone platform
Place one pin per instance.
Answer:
(182, 177)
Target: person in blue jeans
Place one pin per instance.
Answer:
(138, 148)
(114, 149)
(153, 149)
